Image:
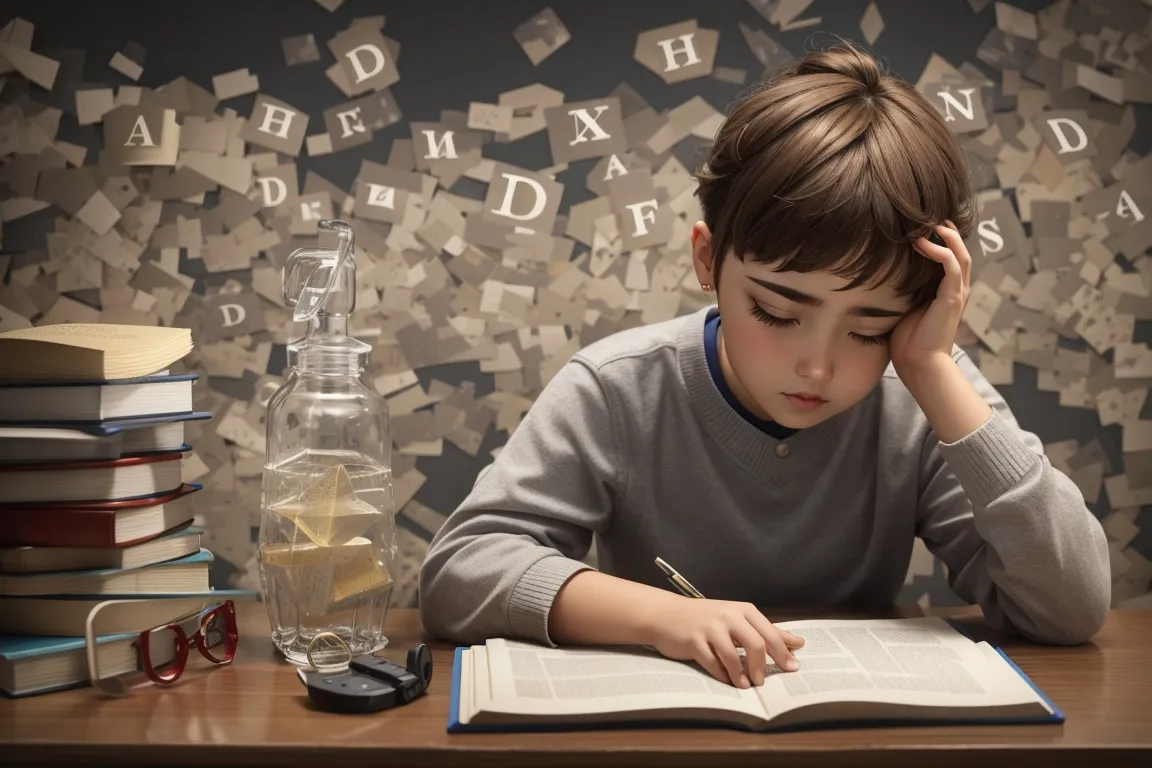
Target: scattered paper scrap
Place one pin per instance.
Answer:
(541, 36)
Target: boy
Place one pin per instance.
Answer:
(787, 445)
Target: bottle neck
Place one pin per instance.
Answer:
(328, 350)
(331, 325)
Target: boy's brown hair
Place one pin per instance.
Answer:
(835, 164)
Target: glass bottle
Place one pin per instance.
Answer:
(327, 544)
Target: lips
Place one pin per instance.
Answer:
(805, 401)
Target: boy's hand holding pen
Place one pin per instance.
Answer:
(710, 632)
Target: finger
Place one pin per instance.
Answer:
(707, 659)
(794, 642)
(955, 243)
(953, 282)
(725, 650)
(774, 641)
(755, 649)
(931, 250)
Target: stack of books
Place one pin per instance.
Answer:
(92, 502)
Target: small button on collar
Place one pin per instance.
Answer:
(782, 450)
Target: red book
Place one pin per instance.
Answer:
(136, 477)
(107, 524)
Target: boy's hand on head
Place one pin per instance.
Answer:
(925, 337)
(710, 631)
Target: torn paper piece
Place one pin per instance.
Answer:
(541, 36)
(230, 85)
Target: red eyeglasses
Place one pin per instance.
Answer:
(215, 637)
(163, 656)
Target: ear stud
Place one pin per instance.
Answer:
(705, 287)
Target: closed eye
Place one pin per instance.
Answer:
(883, 338)
(787, 322)
(773, 320)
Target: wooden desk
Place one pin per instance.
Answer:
(256, 712)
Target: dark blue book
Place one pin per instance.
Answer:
(65, 442)
(93, 402)
(854, 673)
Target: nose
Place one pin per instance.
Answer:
(815, 361)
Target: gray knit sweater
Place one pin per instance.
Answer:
(631, 442)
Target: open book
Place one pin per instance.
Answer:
(90, 351)
(853, 672)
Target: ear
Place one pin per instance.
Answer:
(702, 257)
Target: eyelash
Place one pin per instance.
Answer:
(780, 322)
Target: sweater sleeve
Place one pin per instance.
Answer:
(1013, 531)
(498, 561)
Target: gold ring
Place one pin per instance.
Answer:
(333, 667)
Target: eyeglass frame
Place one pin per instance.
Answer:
(189, 629)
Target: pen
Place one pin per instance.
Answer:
(677, 580)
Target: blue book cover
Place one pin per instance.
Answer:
(209, 595)
(92, 402)
(19, 648)
(16, 647)
(109, 427)
(58, 383)
(455, 726)
(13, 584)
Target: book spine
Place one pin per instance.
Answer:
(58, 528)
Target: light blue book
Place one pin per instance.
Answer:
(185, 574)
(37, 664)
(855, 673)
(31, 665)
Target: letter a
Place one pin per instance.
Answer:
(1126, 201)
(140, 131)
(614, 165)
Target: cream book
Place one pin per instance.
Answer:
(853, 673)
(90, 351)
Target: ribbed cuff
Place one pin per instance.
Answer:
(533, 595)
(990, 460)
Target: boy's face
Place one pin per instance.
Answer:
(794, 349)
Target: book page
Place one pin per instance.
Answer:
(109, 338)
(903, 661)
(534, 679)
